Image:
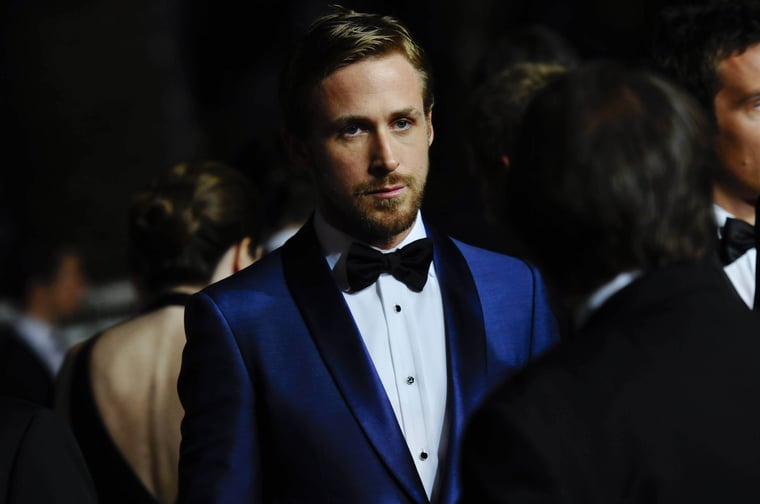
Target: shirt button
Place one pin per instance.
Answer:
(423, 455)
(409, 380)
(397, 308)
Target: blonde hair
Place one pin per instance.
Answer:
(334, 40)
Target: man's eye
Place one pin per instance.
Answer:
(403, 124)
(350, 131)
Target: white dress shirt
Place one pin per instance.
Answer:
(403, 332)
(741, 272)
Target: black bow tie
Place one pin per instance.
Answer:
(737, 236)
(408, 264)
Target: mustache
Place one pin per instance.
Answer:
(391, 180)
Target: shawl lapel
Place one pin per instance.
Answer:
(466, 353)
(329, 321)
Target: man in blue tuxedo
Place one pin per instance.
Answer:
(342, 366)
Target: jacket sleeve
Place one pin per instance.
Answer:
(219, 453)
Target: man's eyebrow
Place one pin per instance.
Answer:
(359, 119)
(348, 119)
(751, 97)
(408, 112)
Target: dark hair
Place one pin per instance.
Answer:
(184, 221)
(40, 258)
(690, 41)
(611, 174)
(498, 104)
(495, 113)
(337, 39)
(535, 43)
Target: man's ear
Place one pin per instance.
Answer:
(430, 131)
(297, 150)
(505, 161)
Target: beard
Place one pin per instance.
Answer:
(378, 221)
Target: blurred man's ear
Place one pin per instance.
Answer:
(297, 150)
(505, 161)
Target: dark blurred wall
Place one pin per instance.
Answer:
(96, 102)
(99, 95)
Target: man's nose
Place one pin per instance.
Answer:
(383, 155)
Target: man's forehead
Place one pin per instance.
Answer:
(740, 71)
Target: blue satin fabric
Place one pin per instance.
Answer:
(282, 400)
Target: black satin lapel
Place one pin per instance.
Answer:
(329, 321)
(465, 344)
(715, 261)
(465, 329)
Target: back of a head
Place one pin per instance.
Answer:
(498, 104)
(334, 40)
(690, 41)
(184, 221)
(495, 113)
(535, 43)
(611, 174)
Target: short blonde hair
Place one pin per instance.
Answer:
(334, 40)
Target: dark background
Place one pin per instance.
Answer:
(98, 96)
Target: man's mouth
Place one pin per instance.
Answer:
(387, 191)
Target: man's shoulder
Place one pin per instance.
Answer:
(490, 264)
(475, 251)
(266, 274)
(12, 342)
(37, 444)
(17, 413)
(8, 330)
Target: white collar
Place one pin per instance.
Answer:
(721, 215)
(602, 294)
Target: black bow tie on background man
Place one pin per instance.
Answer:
(409, 264)
(738, 236)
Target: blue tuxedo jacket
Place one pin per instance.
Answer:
(282, 401)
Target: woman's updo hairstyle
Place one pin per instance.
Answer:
(184, 221)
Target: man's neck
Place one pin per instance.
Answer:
(329, 232)
(740, 208)
(41, 313)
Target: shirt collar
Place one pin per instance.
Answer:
(34, 329)
(721, 214)
(602, 294)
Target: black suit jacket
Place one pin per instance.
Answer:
(22, 373)
(654, 400)
(40, 462)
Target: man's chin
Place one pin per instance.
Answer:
(385, 223)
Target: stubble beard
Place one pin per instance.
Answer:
(379, 221)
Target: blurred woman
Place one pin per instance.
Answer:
(192, 226)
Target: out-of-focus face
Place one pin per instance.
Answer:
(69, 287)
(368, 149)
(737, 109)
